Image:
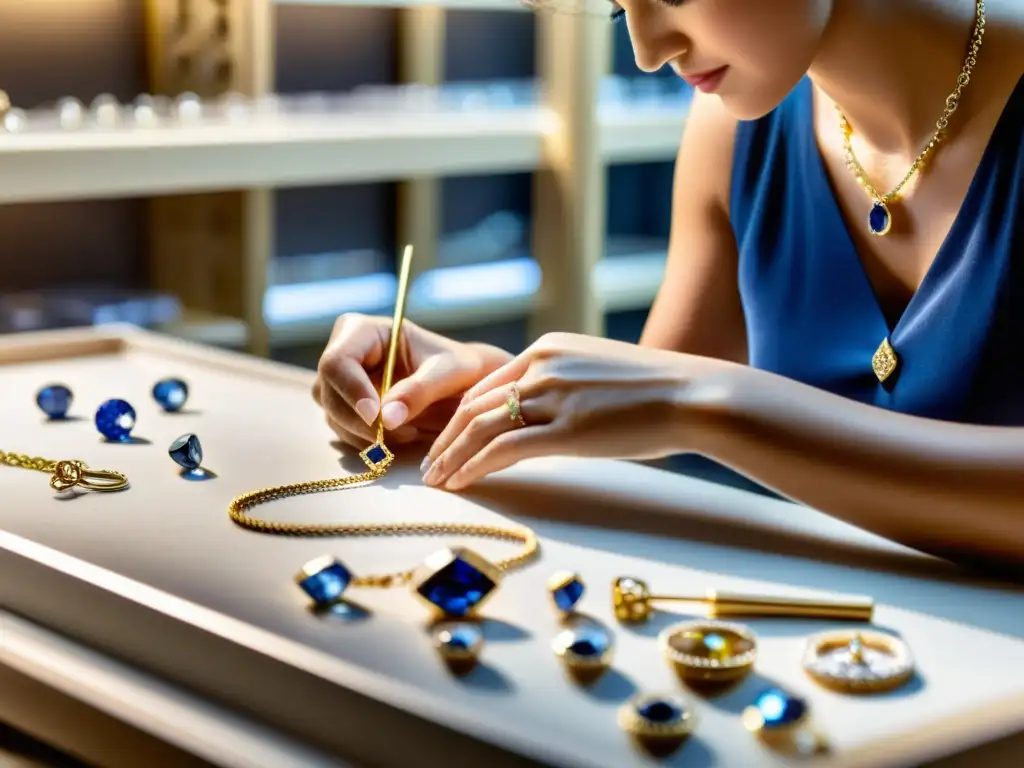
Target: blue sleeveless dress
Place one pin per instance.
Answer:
(812, 314)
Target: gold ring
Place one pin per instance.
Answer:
(68, 474)
(858, 661)
(710, 657)
(514, 406)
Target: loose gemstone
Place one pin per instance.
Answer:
(567, 593)
(660, 712)
(717, 645)
(376, 454)
(171, 394)
(54, 400)
(460, 638)
(878, 219)
(585, 641)
(187, 451)
(115, 420)
(780, 709)
(328, 583)
(456, 588)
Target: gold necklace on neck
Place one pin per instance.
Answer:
(880, 217)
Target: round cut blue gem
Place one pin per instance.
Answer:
(54, 400)
(115, 420)
(456, 588)
(660, 712)
(461, 637)
(568, 594)
(327, 584)
(589, 641)
(171, 394)
(780, 709)
(187, 451)
(878, 219)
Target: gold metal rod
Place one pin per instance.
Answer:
(396, 323)
(734, 604)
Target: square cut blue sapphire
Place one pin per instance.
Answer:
(568, 594)
(327, 584)
(456, 588)
(376, 454)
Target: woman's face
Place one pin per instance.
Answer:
(755, 50)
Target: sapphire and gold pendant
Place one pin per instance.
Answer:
(455, 581)
(710, 657)
(377, 457)
(858, 661)
(781, 721)
(879, 219)
(659, 723)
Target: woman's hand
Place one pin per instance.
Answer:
(579, 396)
(431, 375)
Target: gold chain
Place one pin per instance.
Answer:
(952, 102)
(240, 505)
(67, 473)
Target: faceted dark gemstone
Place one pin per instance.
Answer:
(567, 595)
(376, 454)
(780, 709)
(878, 219)
(115, 420)
(54, 400)
(187, 451)
(456, 588)
(171, 394)
(461, 637)
(327, 584)
(660, 712)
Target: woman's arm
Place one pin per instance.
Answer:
(698, 308)
(953, 490)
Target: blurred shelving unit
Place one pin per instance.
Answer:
(211, 213)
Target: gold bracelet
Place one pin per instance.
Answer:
(68, 473)
(454, 581)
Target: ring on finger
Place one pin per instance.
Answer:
(514, 405)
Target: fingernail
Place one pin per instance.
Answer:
(425, 465)
(367, 410)
(394, 414)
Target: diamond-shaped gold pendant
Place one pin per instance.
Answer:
(377, 457)
(885, 361)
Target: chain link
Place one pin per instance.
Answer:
(240, 505)
(952, 102)
(27, 462)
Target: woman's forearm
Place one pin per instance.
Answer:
(953, 490)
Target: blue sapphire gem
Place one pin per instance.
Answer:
(115, 420)
(660, 711)
(879, 219)
(779, 709)
(458, 586)
(459, 639)
(171, 394)
(324, 579)
(54, 400)
(375, 453)
(187, 451)
(585, 641)
(566, 590)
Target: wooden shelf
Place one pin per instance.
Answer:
(306, 151)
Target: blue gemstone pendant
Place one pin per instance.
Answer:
(115, 420)
(660, 723)
(187, 452)
(54, 400)
(324, 579)
(782, 722)
(880, 219)
(455, 581)
(171, 394)
(377, 457)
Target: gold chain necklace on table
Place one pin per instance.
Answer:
(880, 217)
(325, 579)
(68, 473)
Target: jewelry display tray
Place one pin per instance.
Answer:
(158, 576)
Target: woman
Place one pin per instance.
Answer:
(814, 332)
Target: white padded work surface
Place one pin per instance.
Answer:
(168, 538)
